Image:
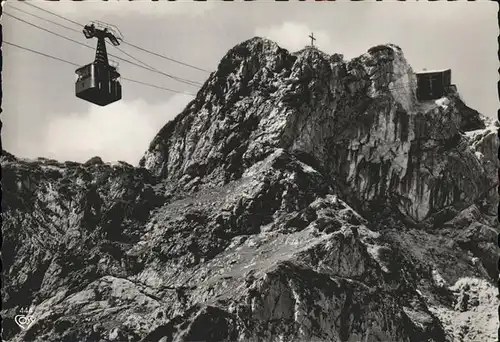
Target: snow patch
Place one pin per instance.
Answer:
(438, 279)
(307, 169)
(479, 155)
(443, 102)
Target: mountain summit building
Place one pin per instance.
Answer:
(433, 84)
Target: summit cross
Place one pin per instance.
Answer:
(312, 39)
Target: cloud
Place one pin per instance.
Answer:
(120, 131)
(294, 36)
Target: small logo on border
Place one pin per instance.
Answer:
(25, 321)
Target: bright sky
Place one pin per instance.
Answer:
(42, 116)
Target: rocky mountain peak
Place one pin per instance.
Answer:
(359, 119)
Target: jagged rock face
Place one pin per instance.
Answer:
(297, 198)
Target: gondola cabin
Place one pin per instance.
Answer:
(98, 84)
(433, 84)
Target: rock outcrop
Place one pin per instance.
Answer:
(298, 197)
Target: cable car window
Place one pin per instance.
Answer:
(83, 73)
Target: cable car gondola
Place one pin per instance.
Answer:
(99, 82)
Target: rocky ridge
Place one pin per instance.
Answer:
(298, 197)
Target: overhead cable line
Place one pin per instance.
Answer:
(147, 65)
(125, 42)
(45, 19)
(57, 15)
(77, 65)
(179, 79)
(40, 53)
(165, 57)
(158, 87)
(134, 58)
